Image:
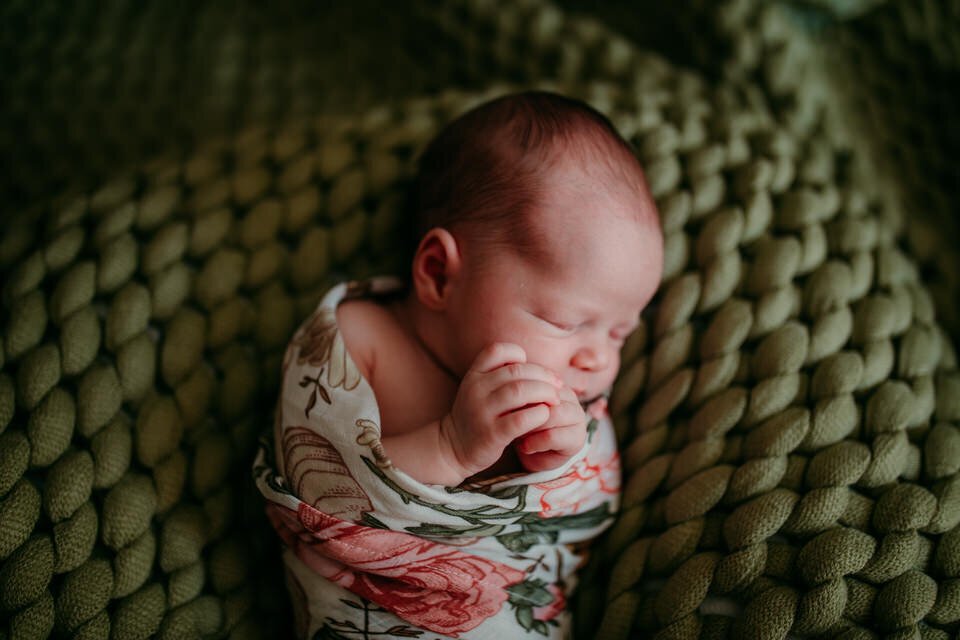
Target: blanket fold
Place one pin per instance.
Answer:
(370, 550)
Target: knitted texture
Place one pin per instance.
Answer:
(879, 84)
(91, 88)
(787, 411)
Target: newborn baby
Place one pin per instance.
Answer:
(442, 444)
(540, 247)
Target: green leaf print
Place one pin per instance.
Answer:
(526, 596)
(475, 515)
(449, 531)
(368, 519)
(502, 493)
(521, 541)
(533, 591)
(318, 389)
(584, 520)
(535, 529)
(525, 617)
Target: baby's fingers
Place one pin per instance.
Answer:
(496, 355)
(543, 461)
(562, 440)
(516, 423)
(566, 414)
(522, 371)
(517, 394)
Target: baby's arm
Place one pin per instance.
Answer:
(500, 398)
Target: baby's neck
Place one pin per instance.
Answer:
(426, 331)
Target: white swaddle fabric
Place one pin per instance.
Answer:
(371, 551)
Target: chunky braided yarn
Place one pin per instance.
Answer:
(788, 412)
(143, 328)
(91, 87)
(881, 78)
(905, 59)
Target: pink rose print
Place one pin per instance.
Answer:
(566, 494)
(427, 584)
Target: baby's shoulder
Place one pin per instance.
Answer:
(367, 328)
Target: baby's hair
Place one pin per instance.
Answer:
(484, 172)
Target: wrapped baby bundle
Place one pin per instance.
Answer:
(369, 549)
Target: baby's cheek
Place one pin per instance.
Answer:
(610, 374)
(608, 379)
(544, 354)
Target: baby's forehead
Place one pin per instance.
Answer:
(574, 201)
(597, 244)
(609, 278)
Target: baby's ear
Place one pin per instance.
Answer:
(436, 264)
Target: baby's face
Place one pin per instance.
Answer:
(573, 314)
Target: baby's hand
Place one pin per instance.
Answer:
(561, 436)
(500, 398)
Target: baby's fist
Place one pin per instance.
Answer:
(501, 397)
(560, 437)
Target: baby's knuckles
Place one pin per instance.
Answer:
(514, 393)
(515, 370)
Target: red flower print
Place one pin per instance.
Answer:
(429, 585)
(428, 594)
(587, 478)
(555, 608)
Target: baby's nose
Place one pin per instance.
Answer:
(590, 359)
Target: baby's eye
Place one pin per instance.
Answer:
(565, 327)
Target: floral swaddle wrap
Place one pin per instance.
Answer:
(371, 552)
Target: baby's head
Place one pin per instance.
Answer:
(536, 228)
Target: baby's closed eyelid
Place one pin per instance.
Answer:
(562, 326)
(556, 324)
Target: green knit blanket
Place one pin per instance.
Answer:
(788, 411)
